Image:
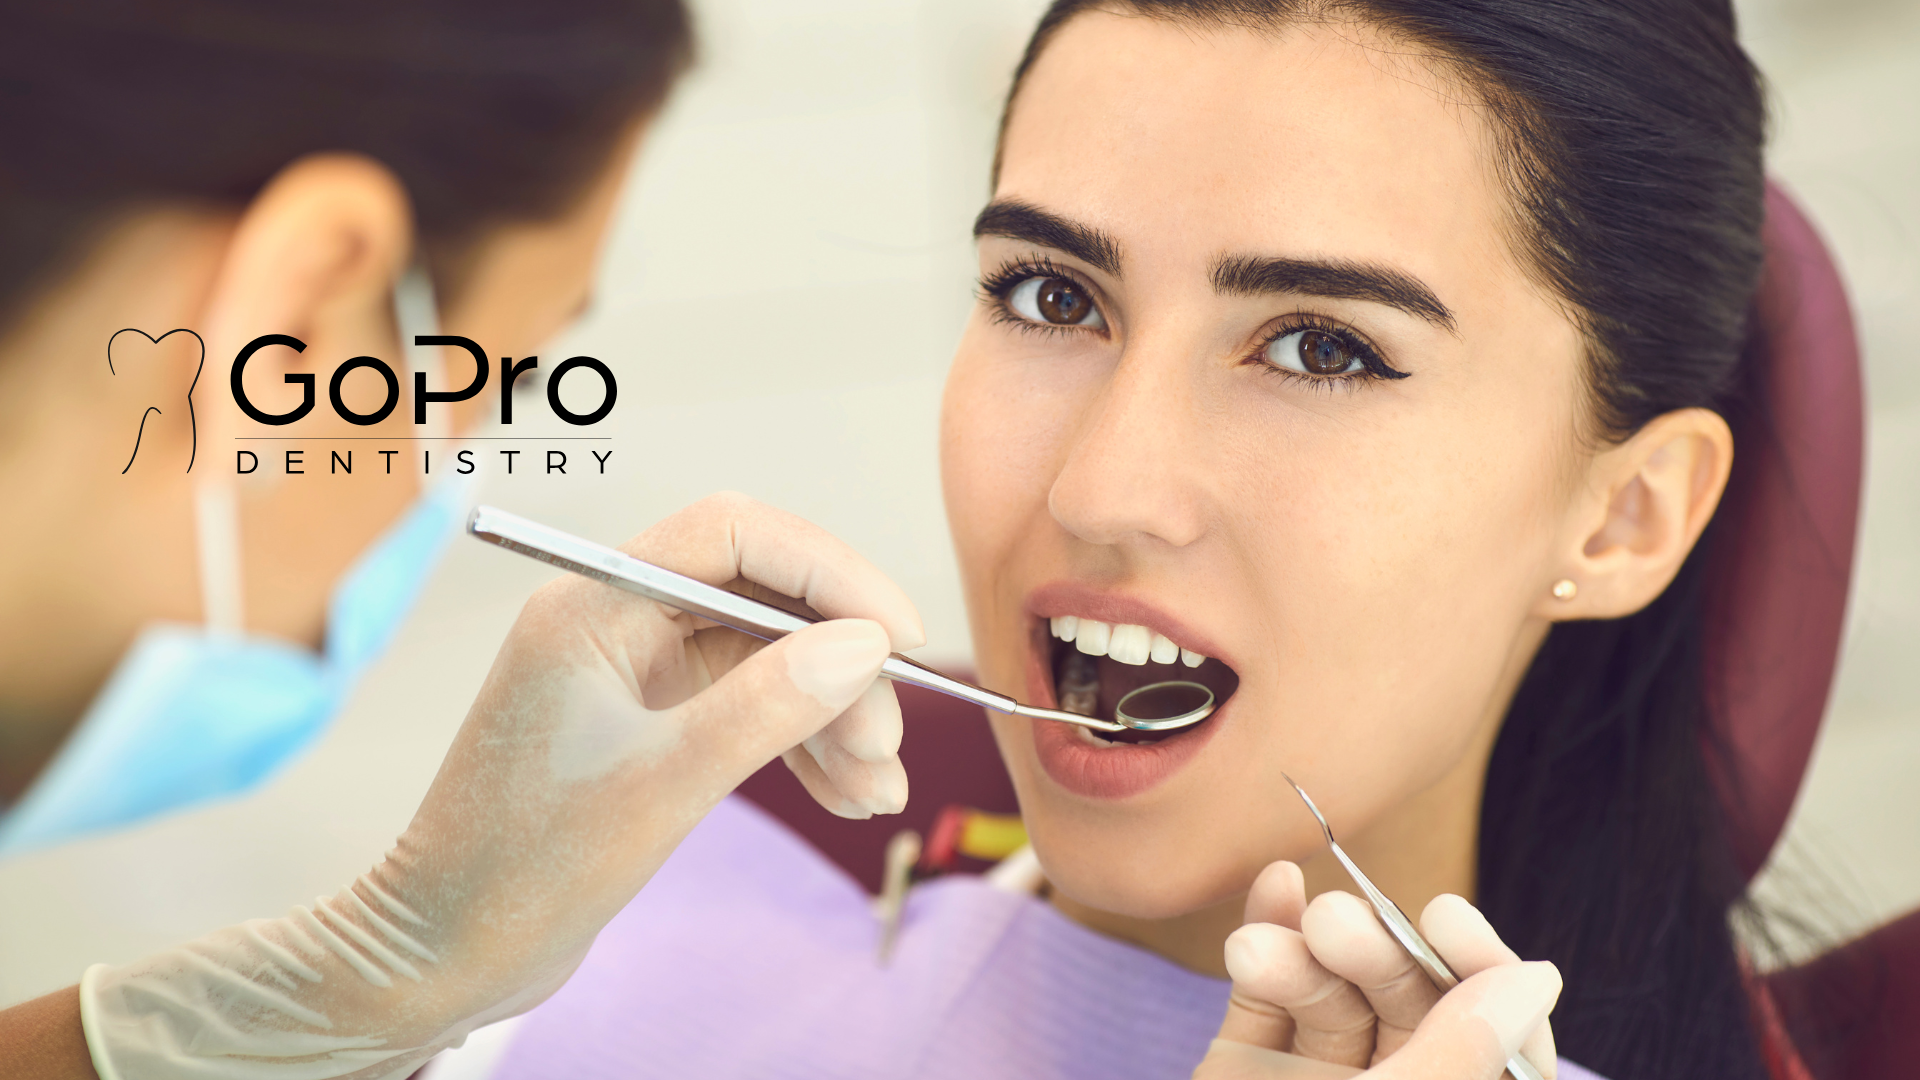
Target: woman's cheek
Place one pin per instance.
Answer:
(967, 463)
(1000, 449)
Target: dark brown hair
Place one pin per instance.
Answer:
(1630, 133)
(487, 110)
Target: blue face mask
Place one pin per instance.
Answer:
(197, 713)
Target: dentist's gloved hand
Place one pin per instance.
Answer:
(608, 727)
(1321, 991)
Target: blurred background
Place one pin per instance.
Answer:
(781, 296)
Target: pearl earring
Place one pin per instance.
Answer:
(1565, 589)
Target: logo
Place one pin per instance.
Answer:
(341, 457)
(151, 410)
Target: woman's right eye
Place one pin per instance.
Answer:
(1055, 301)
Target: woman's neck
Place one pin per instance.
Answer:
(1428, 846)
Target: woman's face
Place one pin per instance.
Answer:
(1256, 374)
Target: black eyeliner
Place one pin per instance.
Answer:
(997, 286)
(1002, 281)
(1376, 366)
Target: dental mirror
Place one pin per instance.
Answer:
(1163, 706)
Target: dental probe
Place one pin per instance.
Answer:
(764, 621)
(1402, 928)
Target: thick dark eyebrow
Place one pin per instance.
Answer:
(1246, 275)
(1024, 221)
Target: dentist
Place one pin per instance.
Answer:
(174, 632)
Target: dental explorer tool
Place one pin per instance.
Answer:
(1402, 928)
(769, 623)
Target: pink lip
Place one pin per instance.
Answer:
(1116, 772)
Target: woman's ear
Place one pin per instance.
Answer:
(322, 243)
(1646, 501)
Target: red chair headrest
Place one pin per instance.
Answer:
(1784, 537)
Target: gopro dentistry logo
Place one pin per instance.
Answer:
(379, 387)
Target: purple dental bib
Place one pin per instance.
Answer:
(750, 955)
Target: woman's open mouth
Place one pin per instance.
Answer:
(1088, 665)
(1095, 664)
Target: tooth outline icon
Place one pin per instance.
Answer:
(192, 421)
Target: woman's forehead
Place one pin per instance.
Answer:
(1324, 140)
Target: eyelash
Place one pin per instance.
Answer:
(1373, 364)
(997, 286)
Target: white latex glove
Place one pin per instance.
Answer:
(1321, 990)
(608, 727)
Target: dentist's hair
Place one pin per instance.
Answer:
(488, 111)
(1630, 137)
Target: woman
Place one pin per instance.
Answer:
(1407, 194)
(1371, 357)
(174, 630)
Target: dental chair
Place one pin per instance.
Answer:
(1776, 613)
(1776, 610)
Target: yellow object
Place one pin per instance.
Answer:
(991, 837)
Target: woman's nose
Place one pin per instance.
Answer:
(1131, 477)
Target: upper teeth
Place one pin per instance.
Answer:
(1126, 642)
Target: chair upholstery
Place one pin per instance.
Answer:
(1777, 612)
(1784, 535)
(1855, 1011)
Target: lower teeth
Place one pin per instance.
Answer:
(1080, 684)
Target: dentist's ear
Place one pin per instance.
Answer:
(1644, 505)
(315, 255)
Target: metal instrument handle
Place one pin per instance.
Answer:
(1401, 927)
(749, 616)
(1415, 943)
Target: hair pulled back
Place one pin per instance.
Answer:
(487, 110)
(1630, 137)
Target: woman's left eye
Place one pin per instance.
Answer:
(1055, 301)
(1313, 352)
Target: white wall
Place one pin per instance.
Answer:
(783, 291)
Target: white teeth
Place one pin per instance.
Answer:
(1126, 643)
(1093, 637)
(1164, 651)
(1130, 644)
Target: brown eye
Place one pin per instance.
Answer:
(1313, 352)
(1057, 301)
(1062, 302)
(1323, 355)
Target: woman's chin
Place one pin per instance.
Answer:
(1107, 878)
